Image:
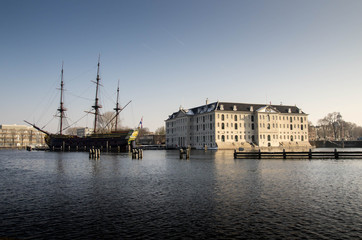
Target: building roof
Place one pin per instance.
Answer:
(238, 107)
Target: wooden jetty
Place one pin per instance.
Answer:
(299, 155)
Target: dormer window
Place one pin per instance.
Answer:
(221, 107)
(289, 110)
(235, 108)
(251, 109)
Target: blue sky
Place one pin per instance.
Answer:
(172, 53)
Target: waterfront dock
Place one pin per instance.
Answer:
(299, 155)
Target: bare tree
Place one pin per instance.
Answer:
(143, 131)
(324, 128)
(160, 131)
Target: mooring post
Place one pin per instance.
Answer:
(310, 154)
(336, 154)
(188, 153)
(181, 153)
(234, 153)
(259, 154)
(284, 154)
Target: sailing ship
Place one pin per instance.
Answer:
(116, 140)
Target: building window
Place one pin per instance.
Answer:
(210, 118)
(236, 117)
(236, 138)
(291, 138)
(252, 118)
(222, 117)
(203, 118)
(222, 138)
(302, 138)
(252, 126)
(291, 126)
(222, 126)
(236, 126)
(268, 127)
(291, 119)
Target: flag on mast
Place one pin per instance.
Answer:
(140, 123)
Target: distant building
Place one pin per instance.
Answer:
(151, 139)
(223, 125)
(82, 132)
(19, 136)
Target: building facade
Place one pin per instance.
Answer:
(222, 125)
(83, 132)
(19, 136)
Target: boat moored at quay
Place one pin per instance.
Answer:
(114, 140)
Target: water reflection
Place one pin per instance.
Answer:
(68, 195)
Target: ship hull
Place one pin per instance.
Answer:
(118, 141)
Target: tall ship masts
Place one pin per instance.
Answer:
(117, 108)
(96, 104)
(61, 108)
(119, 140)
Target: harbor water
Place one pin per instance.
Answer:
(55, 195)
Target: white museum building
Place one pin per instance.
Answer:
(224, 125)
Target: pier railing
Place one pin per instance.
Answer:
(299, 155)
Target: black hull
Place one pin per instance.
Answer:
(106, 142)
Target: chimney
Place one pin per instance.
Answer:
(207, 101)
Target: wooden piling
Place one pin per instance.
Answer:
(310, 154)
(181, 153)
(188, 153)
